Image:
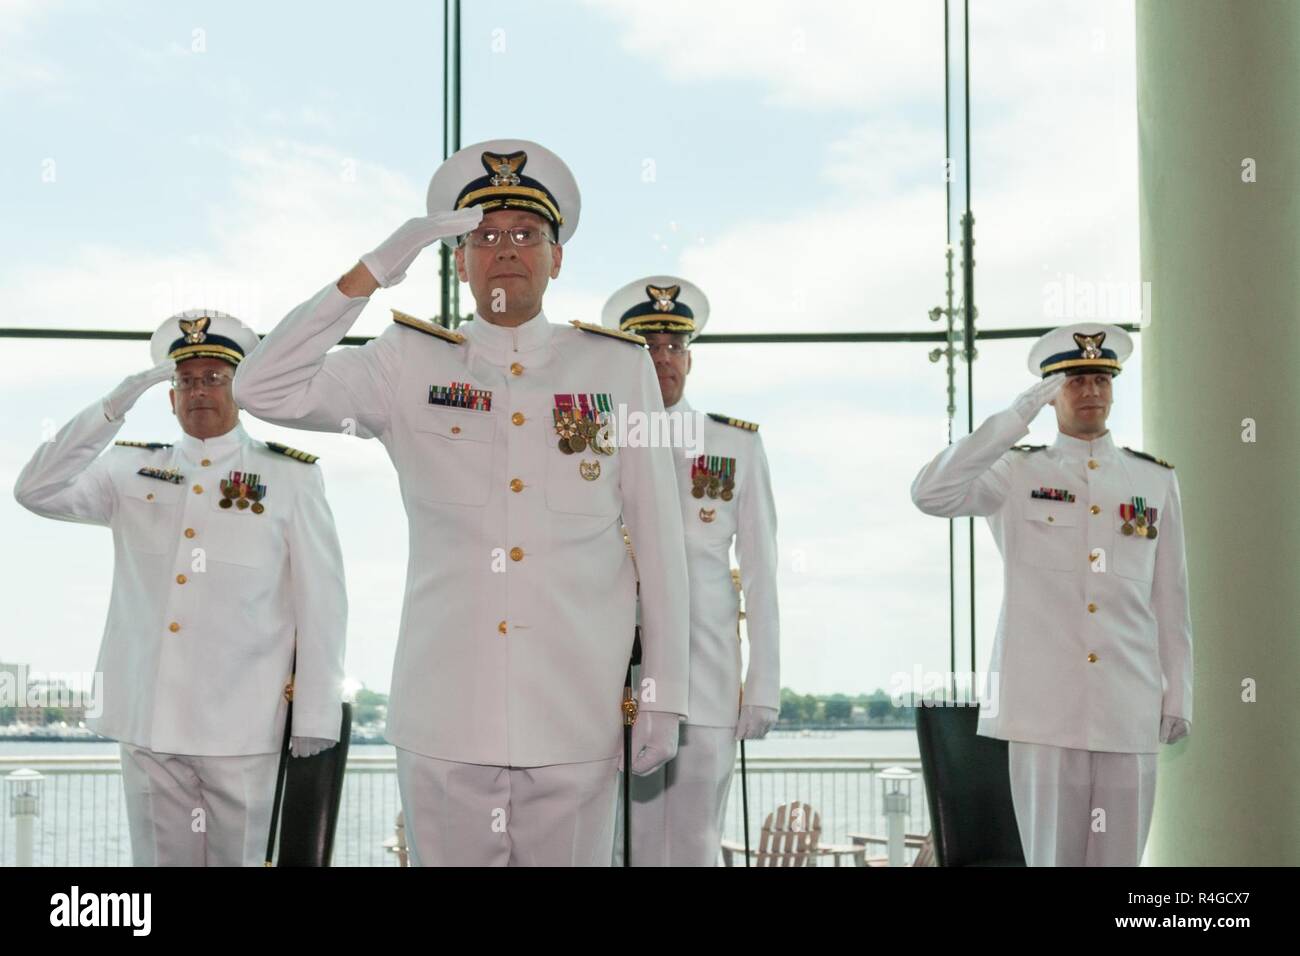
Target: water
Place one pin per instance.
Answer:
(836, 743)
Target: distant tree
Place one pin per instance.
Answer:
(811, 708)
(8, 715)
(369, 707)
(53, 715)
(838, 707)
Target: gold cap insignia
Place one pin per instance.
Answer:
(1090, 344)
(195, 330)
(505, 169)
(665, 299)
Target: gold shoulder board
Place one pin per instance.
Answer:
(735, 422)
(1028, 447)
(428, 328)
(151, 445)
(1141, 454)
(302, 456)
(612, 333)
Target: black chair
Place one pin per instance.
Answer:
(313, 789)
(969, 789)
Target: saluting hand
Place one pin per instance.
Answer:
(1031, 401)
(119, 401)
(390, 260)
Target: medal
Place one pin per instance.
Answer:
(1151, 522)
(707, 515)
(577, 443)
(1126, 512)
(590, 470)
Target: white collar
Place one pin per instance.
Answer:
(199, 448)
(533, 334)
(1071, 447)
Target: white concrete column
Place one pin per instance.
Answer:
(1219, 106)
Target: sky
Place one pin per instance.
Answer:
(787, 157)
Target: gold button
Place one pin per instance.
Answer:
(1091, 463)
(288, 691)
(1092, 609)
(1094, 556)
(198, 489)
(1050, 518)
(205, 462)
(517, 418)
(502, 627)
(455, 429)
(173, 627)
(516, 369)
(181, 579)
(516, 554)
(1092, 658)
(516, 484)
(149, 496)
(1095, 509)
(189, 532)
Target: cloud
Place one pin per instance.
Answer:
(22, 69)
(810, 54)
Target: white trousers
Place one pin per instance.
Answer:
(198, 811)
(467, 814)
(677, 811)
(1081, 807)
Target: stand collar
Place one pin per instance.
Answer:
(1072, 447)
(200, 448)
(533, 334)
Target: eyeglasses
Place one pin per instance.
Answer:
(209, 380)
(519, 235)
(672, 349)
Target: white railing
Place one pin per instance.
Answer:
(81, 813)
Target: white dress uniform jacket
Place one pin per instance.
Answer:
(1094, 640)
(207, 602)
(518, 616)
(712, 524)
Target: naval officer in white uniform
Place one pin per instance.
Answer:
(519, 610)
(1093, 653)
(725, 493)
(226, 561)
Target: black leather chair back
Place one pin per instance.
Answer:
(313, 790)
(969, 789)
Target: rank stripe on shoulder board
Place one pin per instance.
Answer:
(305, 457)
(1141, 454)
(151, 445)
(734, 422)
(631, 337)
(428, 328)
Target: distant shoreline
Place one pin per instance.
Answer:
(378, 738)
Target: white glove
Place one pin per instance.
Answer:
(309, 746)
(654, 742)
(755, 722)
(1031, 401)
(119, 401)
(388, 263)
(1173, 729)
